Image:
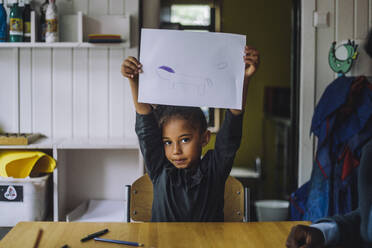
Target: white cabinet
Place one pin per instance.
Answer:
(90, 169)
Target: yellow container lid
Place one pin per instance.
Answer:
(20, 164)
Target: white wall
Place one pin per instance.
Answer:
(347, 19)
(70, 92)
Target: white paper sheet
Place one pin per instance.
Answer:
(191, 68)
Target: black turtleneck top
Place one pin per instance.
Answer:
(192, 194)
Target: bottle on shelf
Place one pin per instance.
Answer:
(15, 23)
(43, 26)
(21, 4)
(51, 17)
(3, 24)
(27, 21)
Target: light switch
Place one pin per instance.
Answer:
(321, 19)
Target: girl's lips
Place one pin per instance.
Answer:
(179, 161)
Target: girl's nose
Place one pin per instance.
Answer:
(177, 148)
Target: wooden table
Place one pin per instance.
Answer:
(190, 235)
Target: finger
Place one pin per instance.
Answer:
(131, 65)
(127, 75)
(135, 61)
(122, 70)
(127, 72)
(291, 241)
(300, 237)
(130, 70)
(251, 52)
(251, 62)
(252, 55)
(253, 58)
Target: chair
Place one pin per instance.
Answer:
(139, 199)
(140, 196)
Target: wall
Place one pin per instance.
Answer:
(267, 25)
(347, 19)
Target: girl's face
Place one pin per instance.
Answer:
(182, 143)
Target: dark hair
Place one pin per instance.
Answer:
(368, 44)
(193, 115)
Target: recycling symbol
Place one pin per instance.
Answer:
(10, 193)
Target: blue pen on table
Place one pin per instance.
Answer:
(94, 235)
(122, 242)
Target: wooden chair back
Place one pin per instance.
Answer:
(141, 199)
(233, 200)
(142, 196)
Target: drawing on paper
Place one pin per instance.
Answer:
(221, 65)
(176, 79)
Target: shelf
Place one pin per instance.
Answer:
(98, 143)
(74, 31)
(42, 143)
(63, 45)
(84, 143)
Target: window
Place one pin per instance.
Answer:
(196, 15)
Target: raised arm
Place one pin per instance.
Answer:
(251, 60)
(130, 69)
(147, 130)
(229, 136)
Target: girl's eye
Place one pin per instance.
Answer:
(185, 140)
(167, 142)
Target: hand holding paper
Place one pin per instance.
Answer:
(252, 61)
(130, 69)
(191, 69)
